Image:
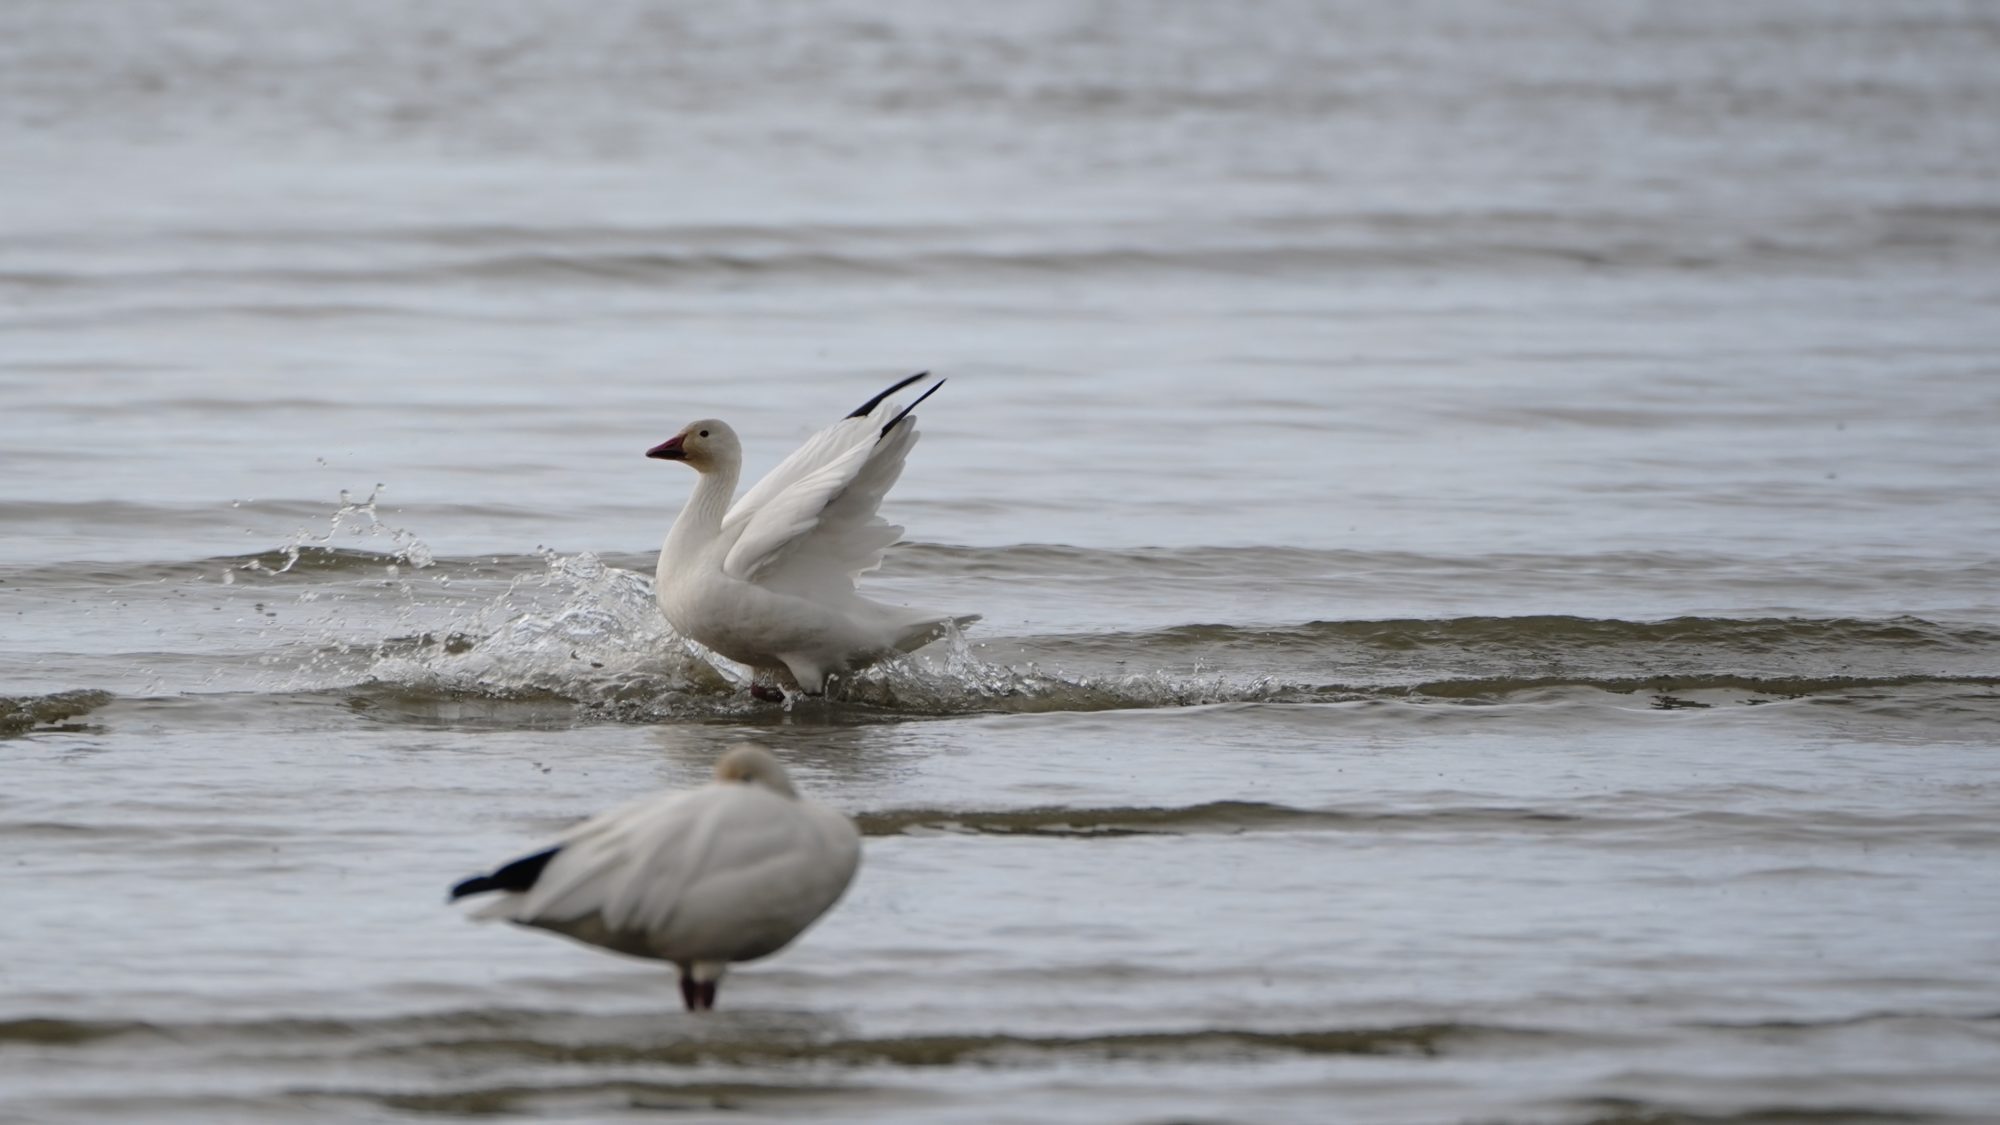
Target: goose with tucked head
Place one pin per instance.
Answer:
(767, 580)
(702, 878)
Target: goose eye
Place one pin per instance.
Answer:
(704, 433)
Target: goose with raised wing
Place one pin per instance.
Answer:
(768, 580)
(704, 878)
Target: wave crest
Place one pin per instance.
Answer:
(24, 713)
(580, 632)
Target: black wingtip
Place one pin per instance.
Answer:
(478, 884)
(906, 410)
(867, 408)
(516, 876)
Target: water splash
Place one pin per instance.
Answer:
(581, 631)
(590, 634)
(354, 519)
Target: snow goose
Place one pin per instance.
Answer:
(732, 871)
(769, 580)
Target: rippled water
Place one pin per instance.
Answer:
(1483, 516)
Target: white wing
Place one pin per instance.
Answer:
(593, 872)
(728, 869)
(811, 532)
(858, 430)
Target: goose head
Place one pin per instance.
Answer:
(704, 445)
(750, 764)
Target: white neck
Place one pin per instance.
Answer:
(701, 520)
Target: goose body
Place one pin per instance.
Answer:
(768, 579)
(703, 878)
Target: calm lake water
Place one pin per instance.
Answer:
(1484, 516)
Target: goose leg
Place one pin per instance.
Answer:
(699, 982)
(810, 678)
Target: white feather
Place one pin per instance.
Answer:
(728, 872)
(816, 535)
(819, 450)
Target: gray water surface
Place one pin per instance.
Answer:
(1483, 515)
